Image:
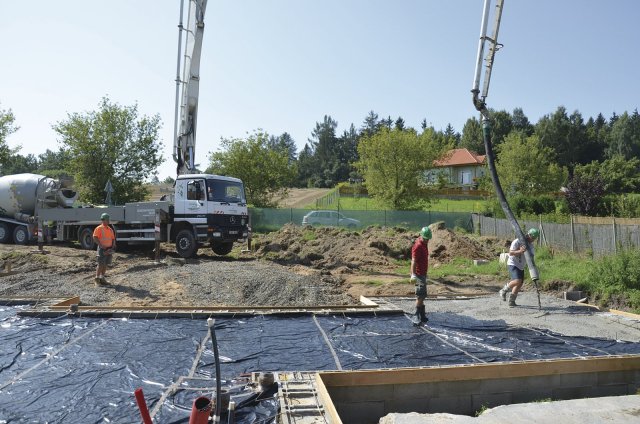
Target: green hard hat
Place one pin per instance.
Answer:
(426, 233)
(534, 233)
(104, 216)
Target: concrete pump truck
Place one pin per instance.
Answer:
(204, 209)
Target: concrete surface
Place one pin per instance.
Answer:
(616, 409)
(558, 315)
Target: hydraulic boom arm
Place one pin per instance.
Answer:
(479, 101)
(187, 86)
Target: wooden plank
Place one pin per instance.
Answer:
(70, 301)
(482, 371)
(327, 402)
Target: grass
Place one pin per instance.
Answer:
(309, 235)
(438, 205)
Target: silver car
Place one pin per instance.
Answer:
(329, 218)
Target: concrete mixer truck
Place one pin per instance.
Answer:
(206, 210)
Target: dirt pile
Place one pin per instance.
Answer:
(373, 250)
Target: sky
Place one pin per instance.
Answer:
(282, 65)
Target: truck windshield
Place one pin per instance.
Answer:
(225, 191)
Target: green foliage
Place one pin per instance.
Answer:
(584, 194)
(616, 278)
(309, 235)
(538, 205)
(266, 172)
(624, 136)
(621, 205)
(7, 127)
(619, 175)
(111, 143)
(526, 167)
(393, 161)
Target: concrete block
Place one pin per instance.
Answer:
(362, 393)
(576, 380)
(490, 400)
(526, 396)
(611, 390)
(408, 405)
(567, 393)
(452, 404)
(416, 391)
(361, 412)
(574, 295)
(614, 377)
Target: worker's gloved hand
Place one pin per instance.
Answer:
(413, 278)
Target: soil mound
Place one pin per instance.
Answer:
(373, 249)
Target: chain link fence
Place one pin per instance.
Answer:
(263, 219)
(597, 239)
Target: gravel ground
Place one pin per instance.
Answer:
(557, 315)
(134, 279)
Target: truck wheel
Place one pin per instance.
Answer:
(5, 233)
(21, 235)
(222, 248)
(86, 239)
(186, 244)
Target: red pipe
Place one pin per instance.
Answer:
(200, 411)
(142, 405)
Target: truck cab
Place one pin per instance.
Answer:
(208, 209)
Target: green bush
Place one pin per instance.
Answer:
(616, 277)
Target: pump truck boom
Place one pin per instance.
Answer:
(479, 101)
(204, 208)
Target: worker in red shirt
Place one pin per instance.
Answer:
(105, 239)
(419, 267)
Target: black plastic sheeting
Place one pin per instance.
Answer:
(83, 370)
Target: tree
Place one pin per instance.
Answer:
(566, 136)
(619, 175)
(400, 123)
(7, 127)
(111, 143)
(584, 194)
(284, 143)
(169, 180)
(18, 164)
(266, 172)
(306, 167)
(624, 138)
(471, 138)
(371, 124)
(520, 122)
(525, 167)
(393, 162)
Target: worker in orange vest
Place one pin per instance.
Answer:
(105, 239)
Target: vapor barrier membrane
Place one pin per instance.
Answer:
(82, 370)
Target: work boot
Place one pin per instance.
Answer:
(512, 299)
(423, 315)
(503, 292)
(104, 280)
(416, 318)
(97, 281)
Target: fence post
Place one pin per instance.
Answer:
(291, 215)
(572, 236)
(495, 226)
(615, 240)
(385, 217)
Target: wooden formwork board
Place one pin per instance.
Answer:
(481, 371)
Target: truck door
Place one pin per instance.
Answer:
(195, 203)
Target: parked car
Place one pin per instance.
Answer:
(329, 218)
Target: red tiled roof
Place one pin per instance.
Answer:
(459, 157)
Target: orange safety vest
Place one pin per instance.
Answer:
(106, 237)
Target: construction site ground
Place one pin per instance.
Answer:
(306, 267)
(295, 266)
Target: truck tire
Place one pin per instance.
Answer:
(222, 248)
(20, 235)
(186, 244)
(85, 238)
(5, 233)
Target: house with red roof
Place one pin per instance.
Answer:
(458, 168)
